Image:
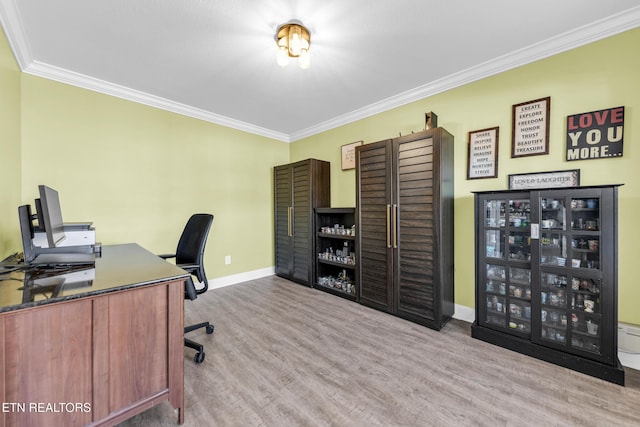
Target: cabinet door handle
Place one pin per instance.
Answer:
(289, 221)
(395, 226)
(388, 226)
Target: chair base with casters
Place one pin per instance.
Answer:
(189, 256)
(199, 357)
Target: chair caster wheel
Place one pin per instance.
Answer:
(199, 357)
(210, 329)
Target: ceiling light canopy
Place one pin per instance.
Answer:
(293, 41)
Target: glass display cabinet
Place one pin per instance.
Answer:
(546, 276)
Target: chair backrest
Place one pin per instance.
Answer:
(193, 239)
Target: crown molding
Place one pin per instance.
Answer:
(80, 80)
(12, 24)
(615, 24)
(581, 36)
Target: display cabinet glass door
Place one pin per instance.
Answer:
(571, 281)
(546, 275)
(506, 299)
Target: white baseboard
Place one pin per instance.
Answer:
(234, 279)
(629, 360)
(464, 313)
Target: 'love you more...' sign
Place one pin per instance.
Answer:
(595, 135)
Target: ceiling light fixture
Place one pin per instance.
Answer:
(293, 41)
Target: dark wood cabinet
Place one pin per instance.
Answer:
(335, 251)
(299, 188)
(404, 223)
(546, 276)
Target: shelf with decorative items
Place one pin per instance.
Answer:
(546, 272)
(335, 251)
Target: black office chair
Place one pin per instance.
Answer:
(189, 256)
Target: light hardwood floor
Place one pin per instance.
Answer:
(286, 355)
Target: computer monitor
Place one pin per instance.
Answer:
(51, 215)
(26, 230)
(39, 225)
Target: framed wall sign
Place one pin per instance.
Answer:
(530, 128)
(595, 135)
(554, 179)
(482, 157)
(349, 155)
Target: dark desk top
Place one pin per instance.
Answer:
(119, 267)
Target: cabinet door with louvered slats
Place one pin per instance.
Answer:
(302, 222)
(283, 243)
(374, 238)
(416, 251)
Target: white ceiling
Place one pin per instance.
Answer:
(216, 60)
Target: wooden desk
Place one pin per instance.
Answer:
(96, 354)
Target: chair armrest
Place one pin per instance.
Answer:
(167, 256)
(189, 267)
(190, 289)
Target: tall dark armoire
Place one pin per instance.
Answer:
(299, 188)
(404, 222)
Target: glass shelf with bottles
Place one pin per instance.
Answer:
(511, 223)
(585, 224)
(338, 231)
(344, 256)
(508, 299)
(582, 234)
(586, 313)
(585, 214)
(520, 299)
(342, 282)
(553, 315)
(553, 240)
(554, 214)
(573, 310)
(495, 222)
(495, 292)
(519, 246)
(519, 213)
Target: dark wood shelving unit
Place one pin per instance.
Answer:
(335, 251)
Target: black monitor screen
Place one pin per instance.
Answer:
(51, 215)
(26, 229)
(38, 217)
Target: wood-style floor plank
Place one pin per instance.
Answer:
(286, 355)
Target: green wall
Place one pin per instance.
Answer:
(138, 173)
(600, 75)
(10, 149)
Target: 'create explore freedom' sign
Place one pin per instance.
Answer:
(530, 128)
